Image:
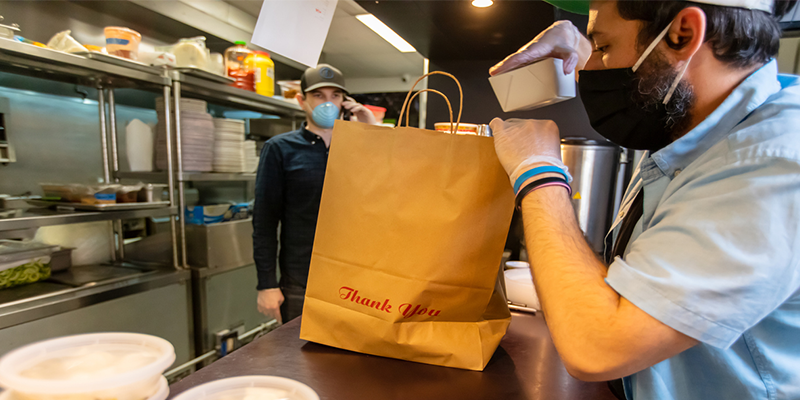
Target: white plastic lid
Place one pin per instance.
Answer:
(148, 356)
(238, 388)
(161, 393)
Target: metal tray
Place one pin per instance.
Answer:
(203, 74)
(100, 207)
(120, 61)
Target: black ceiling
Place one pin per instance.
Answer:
(455, 30)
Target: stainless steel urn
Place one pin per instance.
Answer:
(593, 165)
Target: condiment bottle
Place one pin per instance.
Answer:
(264, 72)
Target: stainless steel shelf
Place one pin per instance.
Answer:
(43, 299)
(159, 177)
(40, 62)
(218, 93)
(36, 217)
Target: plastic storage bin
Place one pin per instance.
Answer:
(254, 386)
(101, 366)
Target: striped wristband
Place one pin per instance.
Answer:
(538, 184)
(536, 171)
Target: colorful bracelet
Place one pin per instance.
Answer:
(540, 183)
(536, 171)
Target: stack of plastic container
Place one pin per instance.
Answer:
(229, 145)
(250, 156)
(197, 135)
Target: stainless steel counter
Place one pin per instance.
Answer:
(81, 287)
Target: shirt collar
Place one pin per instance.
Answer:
(307, 134)
(749, 95)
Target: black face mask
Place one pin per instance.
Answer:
(606, 95)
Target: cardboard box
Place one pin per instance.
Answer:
(537, 85)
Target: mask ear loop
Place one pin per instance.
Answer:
(650, 48)
(676, 81)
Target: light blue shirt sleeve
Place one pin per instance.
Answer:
(719, 254)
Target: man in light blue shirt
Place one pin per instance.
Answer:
(702, 300)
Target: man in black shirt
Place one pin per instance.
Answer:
(288, 191)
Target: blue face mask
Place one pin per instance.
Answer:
(325, 114)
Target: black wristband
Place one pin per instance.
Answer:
(535, 184)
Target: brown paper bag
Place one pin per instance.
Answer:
(408, 244)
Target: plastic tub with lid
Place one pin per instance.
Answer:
(122, 42)
(253, 387)
(96, 366)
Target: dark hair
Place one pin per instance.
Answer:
(739, 37)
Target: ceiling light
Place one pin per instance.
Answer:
(482, 3)
(386, 33)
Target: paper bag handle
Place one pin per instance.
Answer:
(407, 104)
(449, 107)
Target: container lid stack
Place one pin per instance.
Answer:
(197, 135)
(229, 145)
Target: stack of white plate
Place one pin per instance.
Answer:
(250, 156)
(229, 145)
(197, 135)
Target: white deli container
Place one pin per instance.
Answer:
(537, 85)
(260, 387)
(96, 366)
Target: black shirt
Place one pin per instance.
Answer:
(291, 172)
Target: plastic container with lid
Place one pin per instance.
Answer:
(259, 387)
(463, 128)
(237, 68)
(97, 366)
(191, 52)
(264, 72)
(122, 42)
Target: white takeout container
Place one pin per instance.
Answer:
(520, 289)
(142, 382)
(235, 388)
(517, 264)
(537, 85)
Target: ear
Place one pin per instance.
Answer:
(687, 33)
(301, 99)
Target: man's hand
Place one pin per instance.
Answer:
(561, 40)
(362, 113)
(521, 144)
(269, 303)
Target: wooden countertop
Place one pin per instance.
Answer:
(525, 366)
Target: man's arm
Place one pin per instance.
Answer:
(267, 211)
(598, 334)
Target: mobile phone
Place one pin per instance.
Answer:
(345, 114)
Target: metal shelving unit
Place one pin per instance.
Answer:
(25, 59)
(30, 60)
(226, 95)
(34, 218)
(160, 177)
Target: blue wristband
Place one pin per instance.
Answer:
(536, 171)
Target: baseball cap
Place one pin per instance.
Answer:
(323, 75)
(582, 6)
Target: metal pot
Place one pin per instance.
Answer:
(593, 165)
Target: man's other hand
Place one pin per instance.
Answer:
(561, 40)
(362, 113)
(269, 303)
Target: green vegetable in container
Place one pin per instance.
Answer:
(33, 271)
